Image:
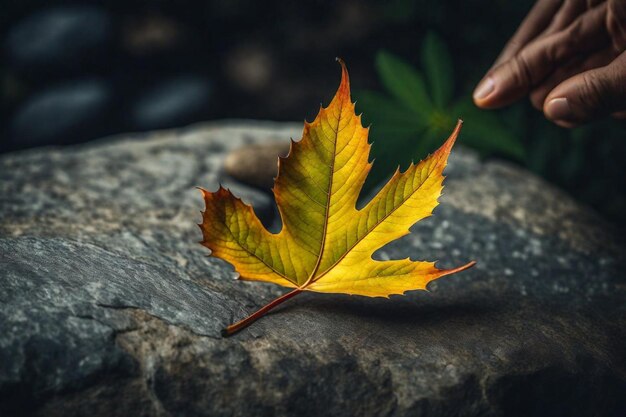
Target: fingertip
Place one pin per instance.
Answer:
(559, 111)
(484, 93)
(483, 90)
(492, 92)
(558, 108)
(482, 103)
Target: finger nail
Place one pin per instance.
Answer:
(485, 88)
(559, 109)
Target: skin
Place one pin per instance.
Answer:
(568, 57)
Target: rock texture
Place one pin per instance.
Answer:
(256, 164)
(109, 307)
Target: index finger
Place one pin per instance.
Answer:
(537, 20)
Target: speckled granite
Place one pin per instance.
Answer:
(109, 307)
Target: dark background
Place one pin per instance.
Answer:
(75, 71)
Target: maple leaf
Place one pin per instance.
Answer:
(326, 244)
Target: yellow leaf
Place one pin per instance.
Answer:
(326, 244)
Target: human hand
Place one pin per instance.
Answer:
(568, 56)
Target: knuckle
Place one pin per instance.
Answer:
(514, 44)
(593, 91)
(617, 10)
(615, 83)
(574, 30)
(616, 24)
(521, 71)
(565, 49)
(567, 42)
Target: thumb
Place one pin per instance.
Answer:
(588, 95)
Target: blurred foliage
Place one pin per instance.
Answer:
(421, 110)
(263, 70)
(420, 107)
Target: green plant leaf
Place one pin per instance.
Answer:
(437, 64)
(387, 114)
(429, 137)
(393, 149)
(395, 132)
(403, 82)
(483, 130)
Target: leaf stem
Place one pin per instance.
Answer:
(234, 328)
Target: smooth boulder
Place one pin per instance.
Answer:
(110, 307)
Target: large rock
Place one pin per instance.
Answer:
(108, 306)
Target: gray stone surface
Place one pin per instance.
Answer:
(109, 307)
